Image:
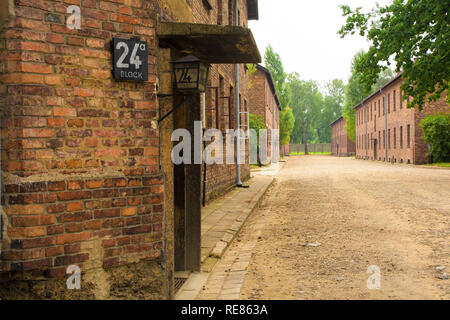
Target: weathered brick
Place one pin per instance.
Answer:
(73, 237)
(72, 259)
(32, 209)
(74, 195)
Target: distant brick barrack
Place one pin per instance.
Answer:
(341, 144)
(387, 130)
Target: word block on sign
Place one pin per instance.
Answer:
(130, 59)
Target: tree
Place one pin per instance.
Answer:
(436, 132)
(257, 123)
(288, 120)
(331, 109)
(275, 66)
(251, 70)
(413, 33)
(273, 63)
(356, 91)
(306, 102)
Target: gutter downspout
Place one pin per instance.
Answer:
(237, 108)
(205, 167)
(366, 138)
(385, 126)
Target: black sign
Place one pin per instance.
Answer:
(130, 59)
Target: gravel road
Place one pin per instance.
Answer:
(327, 219)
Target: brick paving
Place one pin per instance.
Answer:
(228, 274)
(224, 218)
(223, 274)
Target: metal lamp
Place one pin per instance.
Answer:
(191, 74)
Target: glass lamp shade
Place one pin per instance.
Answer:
(190, 74)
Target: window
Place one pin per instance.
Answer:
(379, 109)
(400, 96)
(408, 133)
(384, 139)
(230, 13)
(207, 5)
(394, 96)
(384, 106)
(219, 12)
(389, 103)
(395, 138)
(221, 124)
(231, 109)
(401, 137)
(371, 112)
(379, 140)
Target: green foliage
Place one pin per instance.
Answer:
(306, 103)
(288, 120)
(413, 33)
(273, 63)
(356, 91)
(275, 66)
(251, 70)
(436, 132)
(256, 123)
(331, 109)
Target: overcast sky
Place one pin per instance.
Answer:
(304, 33)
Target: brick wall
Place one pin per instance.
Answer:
(371, 124)
(81, 176)
(263, 103)
(341, 145)
(220, 178)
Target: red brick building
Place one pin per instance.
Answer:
(341, 145)
(388, 131)
(87, 176)
(265, 103)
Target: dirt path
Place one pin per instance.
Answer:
(326, 220)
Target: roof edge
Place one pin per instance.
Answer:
(334, 122)
(271, 83)
(398, 76)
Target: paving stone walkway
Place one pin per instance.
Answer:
(221, 222)
(228, 274)
(223, 219)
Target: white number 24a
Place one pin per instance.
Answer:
(134, 59)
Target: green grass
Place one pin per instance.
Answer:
(311, 153)
(442, 164)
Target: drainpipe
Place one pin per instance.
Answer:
(366, 139)
(385, 126)
(237, 108)
(272, 135)
(205, 167)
